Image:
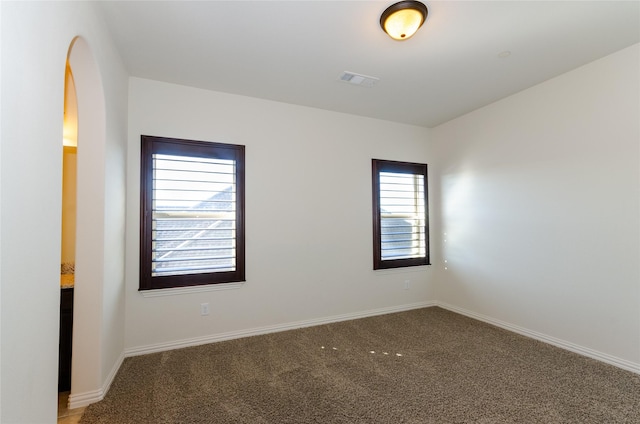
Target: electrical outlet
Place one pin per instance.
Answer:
(407, 283)
(204, 309)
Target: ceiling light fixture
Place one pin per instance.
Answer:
(401, 20)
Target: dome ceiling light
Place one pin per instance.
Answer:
(401, 20)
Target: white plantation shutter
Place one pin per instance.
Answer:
(402, 216)
(194, 219)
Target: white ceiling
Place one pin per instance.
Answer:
(295, 51)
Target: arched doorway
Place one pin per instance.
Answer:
(68, 233)
(86, 372)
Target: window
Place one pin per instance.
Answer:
(192, 213)
(400, 217)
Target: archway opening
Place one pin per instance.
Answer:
(68, 230)
(88, 265)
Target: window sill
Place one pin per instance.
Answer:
(193, 289)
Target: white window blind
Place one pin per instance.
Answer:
(193, 215)
(402, 216)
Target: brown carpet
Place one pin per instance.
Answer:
(422, 366)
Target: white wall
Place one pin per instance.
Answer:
(540, 207)
(35, 40)
(308, 214)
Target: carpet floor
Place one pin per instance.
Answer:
(421, 366)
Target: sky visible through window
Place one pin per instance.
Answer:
(182, 182)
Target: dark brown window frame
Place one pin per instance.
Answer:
(377, 166)
(192, 148)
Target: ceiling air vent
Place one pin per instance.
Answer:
(357, 79)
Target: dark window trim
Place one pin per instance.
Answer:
(377, 166)
(165, 145)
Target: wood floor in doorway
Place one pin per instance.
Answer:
(66, 415)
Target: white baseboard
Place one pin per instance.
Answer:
(161, 347)
(79, 400)
(590, 353)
